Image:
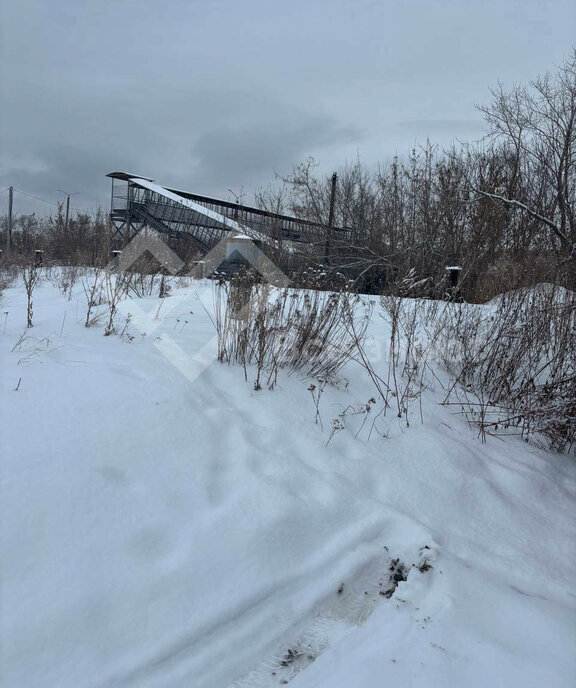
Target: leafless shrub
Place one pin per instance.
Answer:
(31, 347)
(93, 286)
(8, 273)
(64, 278)
(402, 370)
(413, 333)
(143, 281)
(30, 277)
(322, 279)
(125, 334)
(512, 363)
(364, 411)
(514, 368)
(116, 285)
(183, 282)
(305, 331)
(165, 288)
(514, 272)
(316, 391)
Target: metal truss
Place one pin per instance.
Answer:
(138, 202)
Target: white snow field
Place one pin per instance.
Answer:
(173, 529)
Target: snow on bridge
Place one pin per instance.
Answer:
(138, 202)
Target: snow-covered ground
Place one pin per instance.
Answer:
(167, 528)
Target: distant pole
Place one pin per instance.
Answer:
(332, 200)
(330, 218)
(67, 213)
(9, 231)
(67, 194)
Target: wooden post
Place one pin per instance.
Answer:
(453, 274)
(332, 200)
(330, 218)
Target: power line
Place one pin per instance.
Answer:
(37, 198)
(43, 200)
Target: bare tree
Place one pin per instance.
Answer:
(538, 125)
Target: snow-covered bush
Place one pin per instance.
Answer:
(65, 278)
(116, 285)
(8, 274)
(511, 364)
(30, 273)
(92, 284)
(143, 277)
(514, 363)
(305, 331)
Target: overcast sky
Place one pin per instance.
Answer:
(211, 95)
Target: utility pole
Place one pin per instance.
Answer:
(9, 231)
(330, 218)
(332, 200)
(67, 212)
(67, 207)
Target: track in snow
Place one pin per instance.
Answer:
(346, 609)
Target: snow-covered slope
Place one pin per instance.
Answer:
(164, 530)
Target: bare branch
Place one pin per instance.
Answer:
(553, 226)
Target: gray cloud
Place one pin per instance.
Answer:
(249, 154)
(217, 94)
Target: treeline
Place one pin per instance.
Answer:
(85, 240)
(503, 210)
